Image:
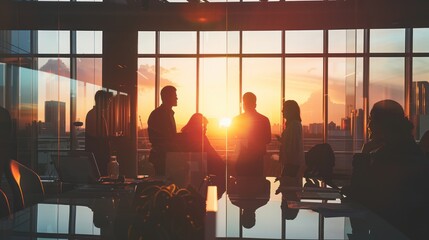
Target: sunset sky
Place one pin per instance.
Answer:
(219, 76)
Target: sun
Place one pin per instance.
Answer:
(225, 122)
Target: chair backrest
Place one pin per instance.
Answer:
(26, 186)
(4, 205)
(320, 161)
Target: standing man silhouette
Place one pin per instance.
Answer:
(162, 129)
(253, 132)
(96, 130)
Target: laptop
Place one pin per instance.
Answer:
(77, 168)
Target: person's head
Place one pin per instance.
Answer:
(197, 124)
(249, 101)
(169, 96)
(248, 218)
(102, 98)
(387, 121)
(291, 110)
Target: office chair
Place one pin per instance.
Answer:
(4, 205)
(320, 161)
(26, 186)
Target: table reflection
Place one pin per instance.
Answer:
(272, 212)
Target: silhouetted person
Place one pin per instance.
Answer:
(389, 178)
(162, 129)
(96, 130)
(249, 194)
(253, 132)
(291, 144)
(5, 139)
(194, 139)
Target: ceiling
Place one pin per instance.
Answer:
(168, 16)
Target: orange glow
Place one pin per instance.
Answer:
(225, 122)
(211, 204)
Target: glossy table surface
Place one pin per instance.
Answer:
(250, 208)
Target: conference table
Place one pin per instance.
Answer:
(250, 208)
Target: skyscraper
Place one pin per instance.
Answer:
(55, 118)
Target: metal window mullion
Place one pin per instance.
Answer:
(198, 73)
(408, 78)
(325, 85)
(365, 84)
(157, 68)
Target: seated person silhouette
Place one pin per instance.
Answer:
(193, 138)
(389, 178)
(249, 194)
(96, 131)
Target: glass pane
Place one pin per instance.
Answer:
(342, 117)
(304, 84)
(419, 107)
(421, 40)
(146, 43)
(15, 42)
(262, 76)
(85, 219)
(387, 40)
(90, 42)
(53, 42)
(386, 80)
(53, 109)
(178, 42)
(219, 97)
(346, 41)
(304, 41)
(88, 82)
(262, 42)
(146, 103)
(181, 73)
(219, 42)
(53, 218)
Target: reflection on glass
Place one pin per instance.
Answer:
(88, 82)
(54, 86)
(53, 42)
(386, 80)
(262, 42)
(89, 42)
(419, 106)
(146, 42)
(181, 73)
(85, 221)
(53, 218)
(346, 41)
(219, 42)
(15, 42)
(387, 40)
(304, 41)
(421, 40)
(304, 84)
(345, 120)
(178, 42)
(146, 90)
(262, 76)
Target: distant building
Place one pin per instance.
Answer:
(419, 107)
(55, 118)
(346, 124)
(315, 128)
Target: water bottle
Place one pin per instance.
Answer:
(113, 168)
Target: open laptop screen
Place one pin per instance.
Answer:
(77, 168)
